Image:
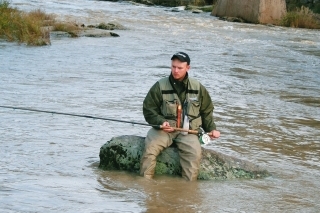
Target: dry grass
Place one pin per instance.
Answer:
(22, 27)
(301, 18)
(199, 2)
(30, 28)
(70, 28)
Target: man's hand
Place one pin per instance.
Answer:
(214, 134)
(166, 127)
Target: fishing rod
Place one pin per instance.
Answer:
(99, 118)
(76, 115)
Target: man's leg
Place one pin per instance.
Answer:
(155, 142)
(190, 155)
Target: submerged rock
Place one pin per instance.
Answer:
(96, 33)
(88, 32)
(124, 153)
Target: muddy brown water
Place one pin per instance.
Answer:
(264, 82)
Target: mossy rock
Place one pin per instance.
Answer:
(124, 153)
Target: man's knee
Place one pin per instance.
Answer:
(190, 145)
(157, 140)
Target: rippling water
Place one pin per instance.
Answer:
(264, 82)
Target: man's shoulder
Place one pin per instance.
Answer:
(164, 83)
(164, 79)
(193, 80)
(156, 85)
(194, 83)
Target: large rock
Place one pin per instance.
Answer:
(253, 11)
(124, 153)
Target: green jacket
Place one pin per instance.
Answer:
(153, 102)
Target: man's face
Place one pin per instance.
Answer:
(179, 69)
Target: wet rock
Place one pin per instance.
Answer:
(124, 153)
(180, 8)
(114, 34)
(232, 19)
(110, 26)
(167, 3)
(97, 33)
(197, 11)
(175, 9)
(89, 32)
(59, 34)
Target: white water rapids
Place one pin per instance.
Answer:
(264, 82)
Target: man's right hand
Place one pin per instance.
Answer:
(166, 127)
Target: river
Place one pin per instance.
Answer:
(264, 82)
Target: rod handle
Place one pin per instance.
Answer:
(186, 130)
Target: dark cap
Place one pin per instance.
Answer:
(181, 56)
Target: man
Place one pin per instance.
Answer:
(160, 108)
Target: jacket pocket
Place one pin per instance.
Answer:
(169, 108)
(193, 108)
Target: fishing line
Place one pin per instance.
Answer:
(203, 137)
(75, 115)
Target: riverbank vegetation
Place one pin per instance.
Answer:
(32, 28)
(313, 5)
(301, 18)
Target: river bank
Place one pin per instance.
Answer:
(34, 27)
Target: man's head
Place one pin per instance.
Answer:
(180, 65)
(181, 56)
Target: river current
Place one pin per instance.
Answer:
(264, 82)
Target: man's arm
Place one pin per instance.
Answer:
(206, 110)
(152, 104)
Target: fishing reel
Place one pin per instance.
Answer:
(204, 138)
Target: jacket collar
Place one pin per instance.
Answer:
(185, 80)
